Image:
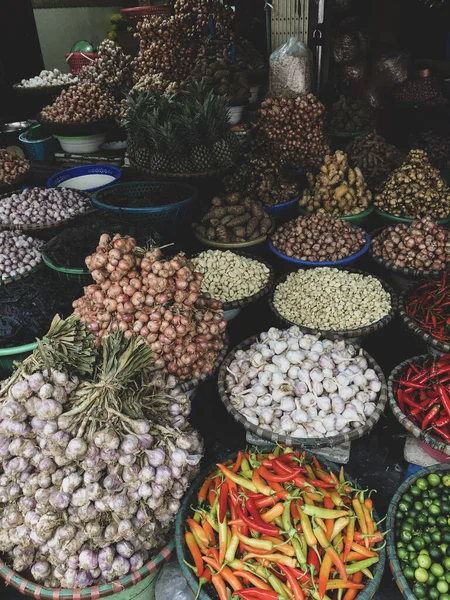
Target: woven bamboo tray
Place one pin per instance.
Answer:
(394, 562)
(307, 443)
(346, 333)
(92, 593)
(413, 326)
(235, 304)
(20, 277)
(423, 436)
(209, 592)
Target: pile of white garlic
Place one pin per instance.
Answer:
(298, 385)
(18, 253)
(229, 276)
(331, 300)
(48, 79)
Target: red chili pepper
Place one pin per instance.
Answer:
(411, 384)
(442, 421)
(268, 476)
(432, 413)
(238, 462)
(445, 398)
(250, 504)
(223, 501)
(266, 529)
(400, 399)
(313, 560)
(442, 433)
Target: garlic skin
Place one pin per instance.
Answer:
(305, 387)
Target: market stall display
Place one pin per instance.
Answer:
(333, 302)
(289, 387)
(112, 71)
(437, 147)
(292, 131)
(131, 294)
(47, 80)
(424, 309)
(421, 89)
(375, 157)
(299, 554)
(130, 464)
(414, 190)
(348, 116)
(35, 208)
(420, 400)
(86, 179)
(338, 189)
(187, 135)
(234, 220)
(261, 178)
(19, 255)
(13, 170)
(318, 239)
(421, 246)
(423, 571)
(291, 70)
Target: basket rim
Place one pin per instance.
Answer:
(393, 560)
(348, 134)
(361, 215)
(232, 245)
(345, 333)
(43, 88)
(283, 205)
(13, 350)
(67, 270)
(53, 180)
(12, 186)
(413, 325)
(390, 266)
(149, 210)
(341, 262)
(160, 174)
(22, 276)
(23, 138)
(233, 304)
(365, 594)
(191, 384)
(106, 589)
(308, 443)
(402, 219)
(403, 419)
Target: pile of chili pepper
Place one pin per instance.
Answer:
(423, 395)
(429, 307)
(273, 527)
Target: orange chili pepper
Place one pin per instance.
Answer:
(351, 594)
(226, 573)
(196, 554)
(220, 586)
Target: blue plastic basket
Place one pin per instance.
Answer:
(37, 148)
(167, 202)
(60, 178)
(280, 208)
(338, 263)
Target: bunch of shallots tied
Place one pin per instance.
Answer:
(92, 468)
(140, 293)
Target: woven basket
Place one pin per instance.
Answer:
(78, 60)
(355, 219)
(423, 436)
(159, 175)
(22, 276)
(81, 276)
(8, 356)
(76, 129)
(184, 556)
(187, 386)
(92, 593)
(307, 443)
(413, 326)
(406, 272)
(235, 304)
(233, 245)
(393, 219)
(346, 333)
(394, 562)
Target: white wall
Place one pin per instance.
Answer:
(60, 28)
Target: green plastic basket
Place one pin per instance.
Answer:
(394, 562)
(355, 219)
(8, 356)
(393, 219)
(81, 276)
(184, 557)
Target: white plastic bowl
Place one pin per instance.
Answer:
(82, 144)
(235, 113)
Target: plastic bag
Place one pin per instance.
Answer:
(291, 70)
(391, 69)
(171, 584)
(346, 48)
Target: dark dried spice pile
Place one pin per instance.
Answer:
(28, 306)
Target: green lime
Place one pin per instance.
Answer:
(418, 543)
(406, 535)
(432, 579)
(424, 561)
(444, 597)
(434, 510)
(410, 548)
(424, 551)
(431, 521)
(447, 576)
(403, 507)
(427, 502)
(426, 538)
(422, 483)
(446, 480)
(421, 519)
(445, 507)
(435, 553)
(413, 514)
(436, 537)
(420, 590)
(415, 491)
(408, 572)
(407, 497)
(418, 505)
(433, 594)
(437, 569)
(421, 575)
(434, 494)
(414, 563)
(434, 480)
(446, 563)
(442, 586)
(441, 521)
(402, 553)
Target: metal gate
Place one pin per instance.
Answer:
(288, 18)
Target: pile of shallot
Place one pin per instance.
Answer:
(42, 206)
(18, 254)
(298, 385)
(423, 245)
(140, 293)
(95, 455)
